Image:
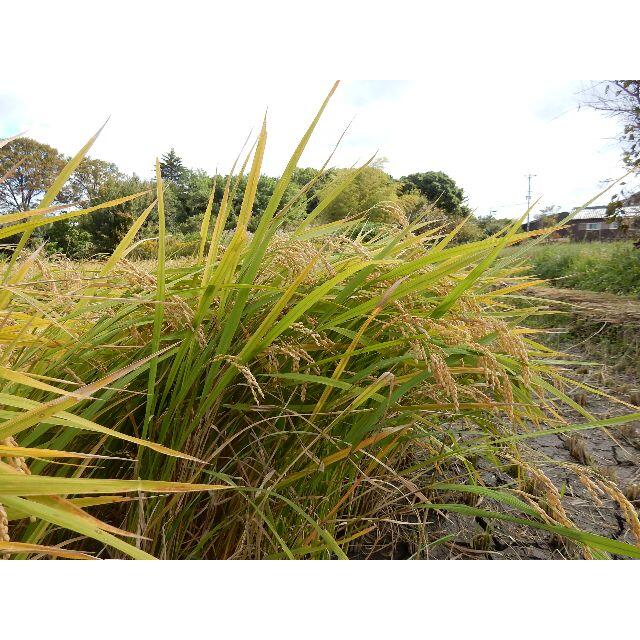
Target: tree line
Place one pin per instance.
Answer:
(29, 167)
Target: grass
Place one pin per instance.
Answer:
(279, 395)
(612, 267)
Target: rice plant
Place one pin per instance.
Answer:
(275, 395)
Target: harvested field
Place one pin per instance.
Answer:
(613, 453)
(599, 307)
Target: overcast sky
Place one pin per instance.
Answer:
(486, 105)
(486, 134)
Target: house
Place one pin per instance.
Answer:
(593, 223)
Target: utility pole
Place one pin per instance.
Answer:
(529, 176)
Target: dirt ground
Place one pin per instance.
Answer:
(614, 452)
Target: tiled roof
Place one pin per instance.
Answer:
(597, 213)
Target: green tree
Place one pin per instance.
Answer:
(30, 168)
(548, 216)
(470, 232)
(304, 175)
(264, 191)
(438, 188)
(171, 167)
(489, 224)
(372, 191)
(68, 237)
(413, 204)
(88, 180)
(108, 227)
(192, 196)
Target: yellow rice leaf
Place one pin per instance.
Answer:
(62, 518)
(56, 552)
(19, 484)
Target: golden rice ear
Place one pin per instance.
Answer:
(4, 531)
(39, 550)
(17, 463)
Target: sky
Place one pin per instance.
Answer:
(487, 106)
(487, 137)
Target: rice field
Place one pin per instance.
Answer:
(278, 395)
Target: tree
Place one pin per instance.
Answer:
(265, 188)
(109, 226)
(302, 176)
(489, 224)
(171, 167)
(548, 216)
(68, 237)
(88, 180)
(31, 168)
(413, 203)
(621, 99)
(372, 191)
(470, 232)
(439, 189)
(192, 195)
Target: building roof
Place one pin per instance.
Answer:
(598, 213)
